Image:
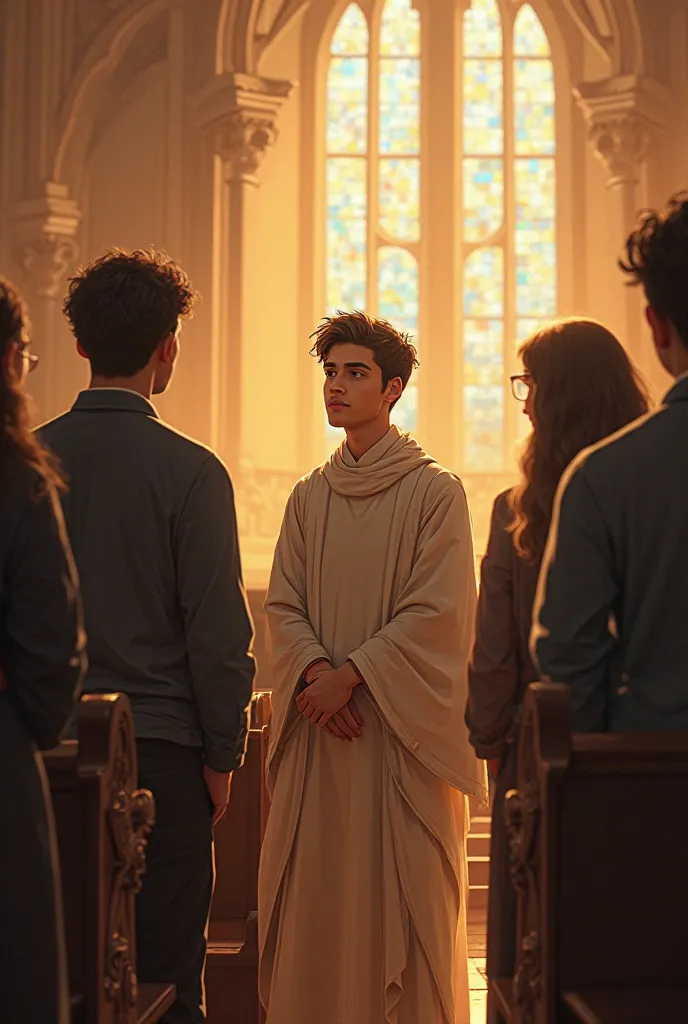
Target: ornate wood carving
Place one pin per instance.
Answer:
(522, 811)
(131, 815)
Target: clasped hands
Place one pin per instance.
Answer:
(327, 700)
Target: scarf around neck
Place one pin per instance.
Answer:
(382, 466)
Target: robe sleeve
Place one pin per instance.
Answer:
(293, 641)
(415, 667)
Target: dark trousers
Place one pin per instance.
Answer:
(33, 967)
(173, 905)
(501, 908)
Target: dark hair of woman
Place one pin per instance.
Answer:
(585, 388)
(18, 444)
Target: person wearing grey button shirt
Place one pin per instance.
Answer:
(610, 613)
(152, 521)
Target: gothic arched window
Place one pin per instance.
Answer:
(505, 234)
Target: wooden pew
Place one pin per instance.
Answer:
(102, 826)
(599, 857)
(232, 962)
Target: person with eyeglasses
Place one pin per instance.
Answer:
(577, 386)
(42, 662)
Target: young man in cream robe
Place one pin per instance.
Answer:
(363, 880)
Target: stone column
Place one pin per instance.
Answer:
(43, 232)
(239, 112)
(624, 115)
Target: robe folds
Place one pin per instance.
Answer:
(363, 879)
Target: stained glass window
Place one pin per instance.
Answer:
(509, 278)
(375, 220)
(373, 174)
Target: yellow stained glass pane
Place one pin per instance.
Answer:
(351, 34)
(346, 264)
(398, 288)
(530, 39)
(482, 30)
(400, 30)
(483, 84)
(405, 412)
(483, 352)
(398, 302)
(347, 105)
(526, 327)
(483, 428)
(534, 107)
(535, 238)
(483, 283)
(400, 198)
(400, 106)
(483, 198)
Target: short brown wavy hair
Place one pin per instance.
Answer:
(123, 304)
(586, 388)
(391, 348)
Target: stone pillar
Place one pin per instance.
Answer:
(239, 112)
(624, 115)
(43, 233)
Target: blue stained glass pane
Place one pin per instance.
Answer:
(534, 107)
(535, 243)
(399, 106)
(346, 264)
(398, 288)
(483, 428)
(483, 84)
(483, 283)
(351, 35)
(483, 198)
(347, 105)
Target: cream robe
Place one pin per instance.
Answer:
(363, 881)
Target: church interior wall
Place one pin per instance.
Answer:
(149, 175)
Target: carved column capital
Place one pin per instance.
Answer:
(240, 113)
(44, 238)
(622, 115)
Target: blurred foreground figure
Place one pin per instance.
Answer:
(41, 664)
(610, 617)
(363, 883)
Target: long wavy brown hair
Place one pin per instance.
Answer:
(584, 388)
(18, 445)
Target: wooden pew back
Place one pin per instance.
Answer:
(599, 858)
(102, 824)
(232, 962)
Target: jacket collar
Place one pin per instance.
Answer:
(113, 400)
(678, 392)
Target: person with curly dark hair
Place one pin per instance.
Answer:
(613, 590)
(41, 665)
(577, 386)
(151, 515)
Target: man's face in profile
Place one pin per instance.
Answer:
(353, 390)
